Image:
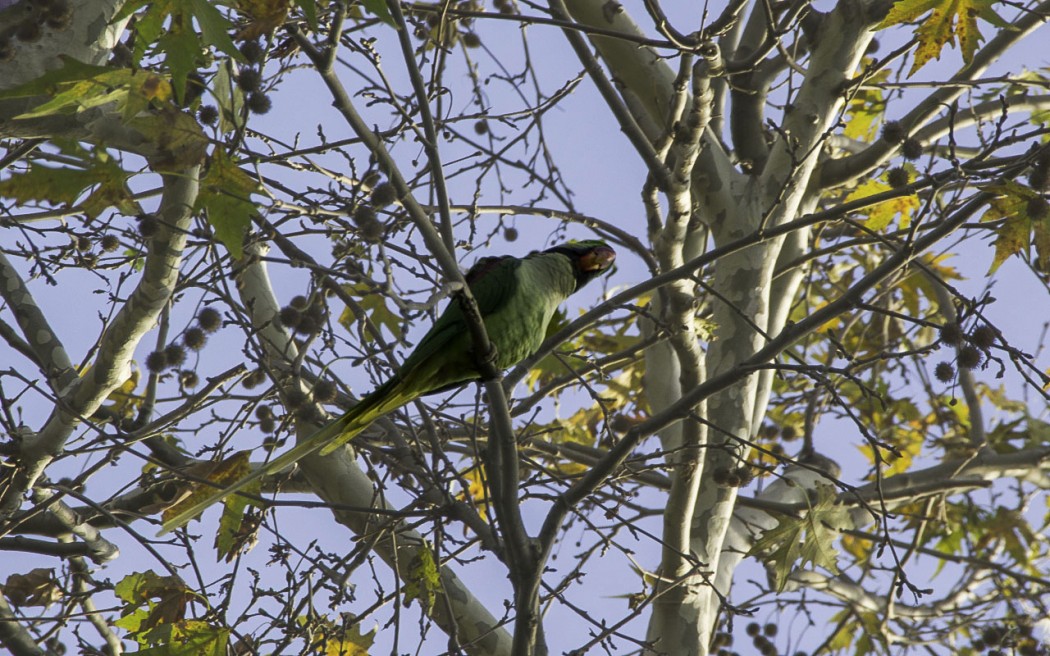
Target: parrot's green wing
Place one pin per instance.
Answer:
(516, 298)
(493, 283)
(441, 359)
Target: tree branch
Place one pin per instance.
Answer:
(840, 171)
(14, 636)
(45, 347)
(112, 363)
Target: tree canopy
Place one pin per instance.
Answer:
(806, 414)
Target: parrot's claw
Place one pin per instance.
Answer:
(487, 361)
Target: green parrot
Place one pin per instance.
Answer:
(517, 298)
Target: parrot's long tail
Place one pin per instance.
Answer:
(387, 397)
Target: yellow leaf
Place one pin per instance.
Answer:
(882, 214)
(374, 305)
(266, 16)
(476, 489)
(124, 400)
(346, 642)
(948, 20)
(219, 474)
(1010, 206)
(860, 548)
(1011, 239)
(865, 109)
(1041, 241)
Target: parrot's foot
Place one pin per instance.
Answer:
(486, 363)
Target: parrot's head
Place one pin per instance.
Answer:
(590, 258)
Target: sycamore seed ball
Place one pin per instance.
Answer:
(944, 372)
(208, 114)
(983, 337)
(209, 319)
(175, 353)
(194, 338)
(969, 357)
(911, 149)
(156, 362)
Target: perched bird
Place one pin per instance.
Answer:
(517, 298)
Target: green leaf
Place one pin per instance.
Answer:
(132, 622)
(62, 187)
(226, 193)
(423, 581)
(189, 638)
(41, 183)
(214, 26)
(48, 83)
(380, 10)
(131, 7)
(309, 9)
(809, 538)
(150, 26)
(230, 98)
(75, 87)
(180, 47)
(139, 587)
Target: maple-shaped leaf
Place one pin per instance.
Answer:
(230, 98)
(226, 192)
(194, 638)
(219, 474)
(1013, 205)
(309, 9)
(376, 312)
(237, 530)
(64, 186)
(809, 539)
(124, 399)
(380, 10)
(214, 27)
(153, 602)
(130, 91)
(948, 20)
(881, 215)
(181, 47)
(345, 641)
(38, 587)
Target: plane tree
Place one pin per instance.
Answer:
(796, 415)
